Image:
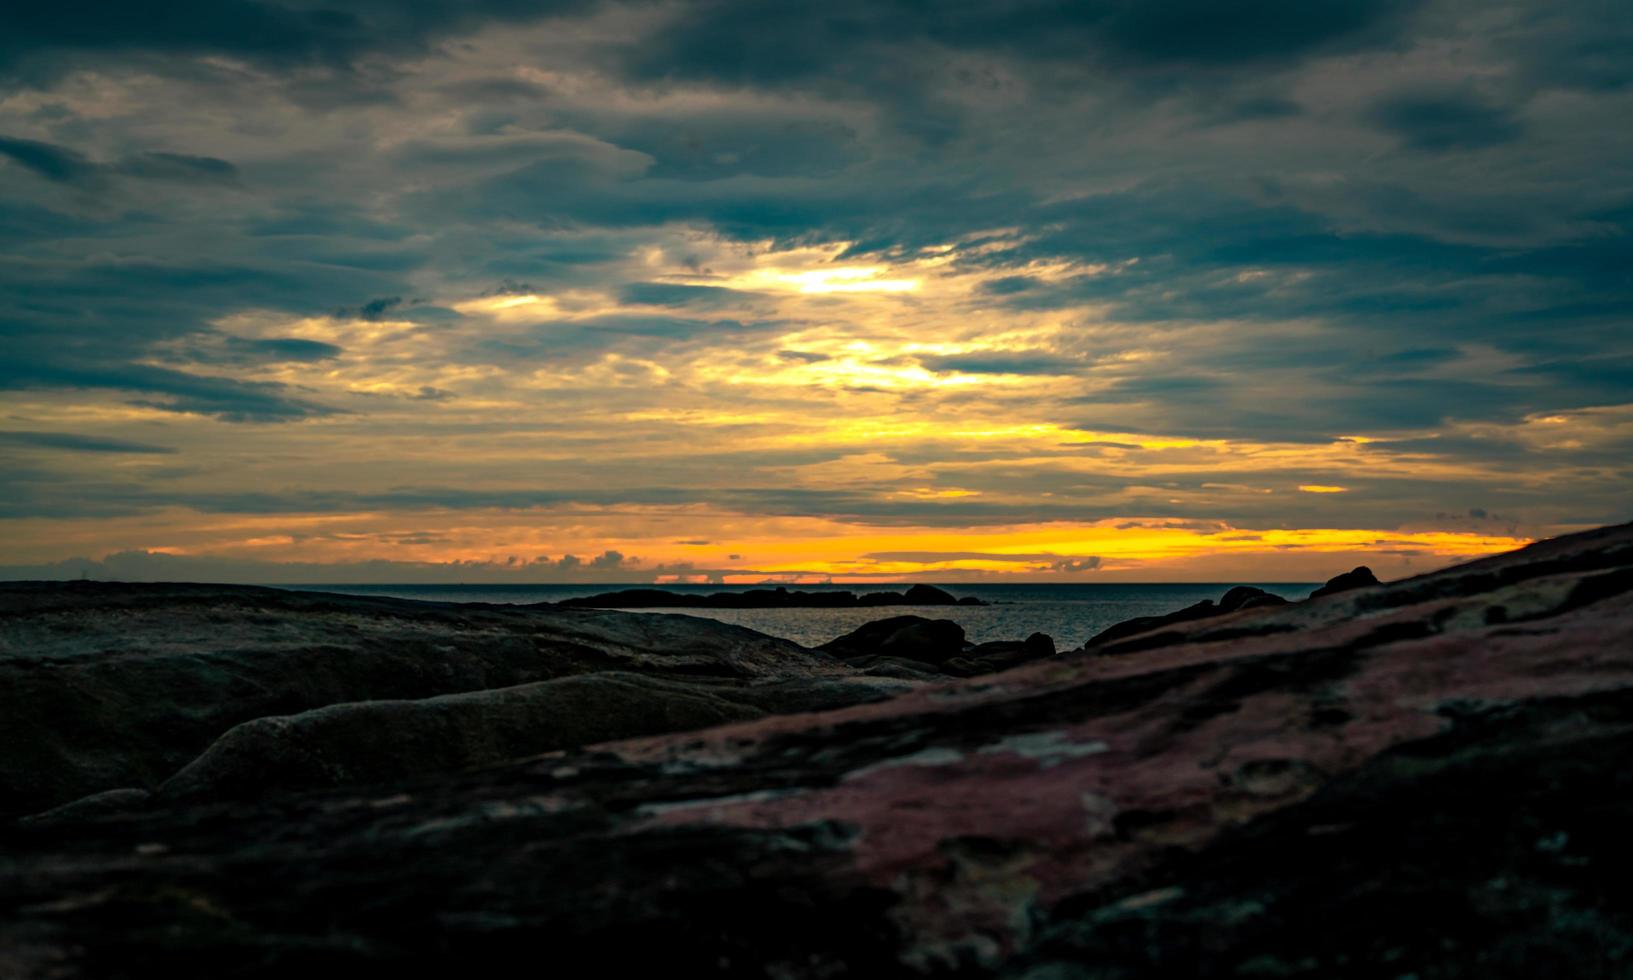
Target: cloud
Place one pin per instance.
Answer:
(1052, 562)
(1168, 262)
(1437, 122)
(65, 166)
(266, 31)
(77, 443)
(1003, 362)
(50, 162)
(156, 566)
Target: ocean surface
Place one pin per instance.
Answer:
(1069, 613)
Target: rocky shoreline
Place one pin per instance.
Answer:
(1424, 777)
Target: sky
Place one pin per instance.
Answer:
(511, 291)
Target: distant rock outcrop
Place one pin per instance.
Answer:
(1238, 598)
(778, 598)
(1357, 578)
(927, 641)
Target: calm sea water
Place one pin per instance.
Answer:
(1069, 613)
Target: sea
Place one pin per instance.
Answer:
(1070, 613)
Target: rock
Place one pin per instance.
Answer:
(1357, 578)
(896, 667)
(928, 595)
(1236, 599)
(375, 741)
(986, 658)
(1145, 624)
(106, 685)
(1248, 597)
(931, 641)
(105, 803)
(1394, 781)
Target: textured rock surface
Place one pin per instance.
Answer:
(1426, 778)
(1356, 578)
(105, 686)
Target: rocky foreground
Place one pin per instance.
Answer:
(1426, 778)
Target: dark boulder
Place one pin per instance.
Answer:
(927, 595)
(931, 641)
(987, 658)
(1357, 578)
(1248, 597)
(1235, 600)
(1144, 624)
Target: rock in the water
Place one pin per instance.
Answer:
(931, 641)
(1356, 578)
(1145, 624)
(1235, 600)
(928, 595)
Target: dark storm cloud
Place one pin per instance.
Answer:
(226, 399)
(711, 145)
(675, 294)
(77, 443)
(1016, 362)
(50, 162)
(41, 40)
(62, 165)
(1580, 44)
(743, 42)
(1436, 122)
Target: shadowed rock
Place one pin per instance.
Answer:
(1357, 578)
(105, 803)
(988, 658)
(375, 741)
(106, 685)
(1235, 600)
(1145, 624)
(929, 641)
(1248, 597)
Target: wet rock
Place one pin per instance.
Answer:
(1356, 578)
